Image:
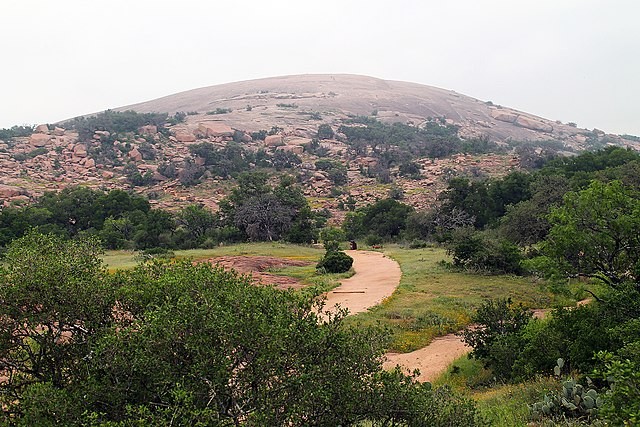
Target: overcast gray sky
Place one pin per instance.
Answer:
(569, 60)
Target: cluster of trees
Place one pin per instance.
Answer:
(259, 211)
(117, 122)
(253, 211)
(513, 212)
(6, 134)
(226, 162)
(184, 344)
(398, 144)
(493, 224)
(121, 219)
(593, 234)
(575, 217)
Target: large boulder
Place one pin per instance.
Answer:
(214, 129)
(185, 136)
(42, 129)
(39, 139)
(135, 155)
(297, 141)
(296, 149)
(273, 140)
(79, 150)
(504, 116)
(533, 124)
(148, 130)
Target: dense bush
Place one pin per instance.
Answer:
(386, 218)
(335, 262)
(325, 131)
(496, 336)
(336, 171)
(484, 252)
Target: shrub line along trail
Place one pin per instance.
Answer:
(376, 278)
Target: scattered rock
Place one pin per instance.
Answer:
(8, 191)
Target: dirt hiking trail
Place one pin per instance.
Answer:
(376, 278)
(431, 360)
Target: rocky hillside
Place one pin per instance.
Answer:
(283, 115)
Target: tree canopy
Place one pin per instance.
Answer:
(188, 344)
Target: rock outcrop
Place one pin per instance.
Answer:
(214, 129)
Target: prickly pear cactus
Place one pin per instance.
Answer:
(575, 400)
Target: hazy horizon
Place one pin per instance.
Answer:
(573, 61)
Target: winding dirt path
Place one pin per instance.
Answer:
(435, 358)
(375, 279)
(431, 360)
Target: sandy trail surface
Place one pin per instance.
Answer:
(375, 279)
(431, 360)
(435, 358)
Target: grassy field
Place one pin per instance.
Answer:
(118, 260)
(433, 300)
(502, 405)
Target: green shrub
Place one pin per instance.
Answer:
(417, 244)
(325, 131)
(484, 252)
(259, 135)
(622, 401)
(219, 111)
(497, 338)
(373, 240)
(37, 152)
(335, 262)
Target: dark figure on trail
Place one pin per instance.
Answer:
(353, 245)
